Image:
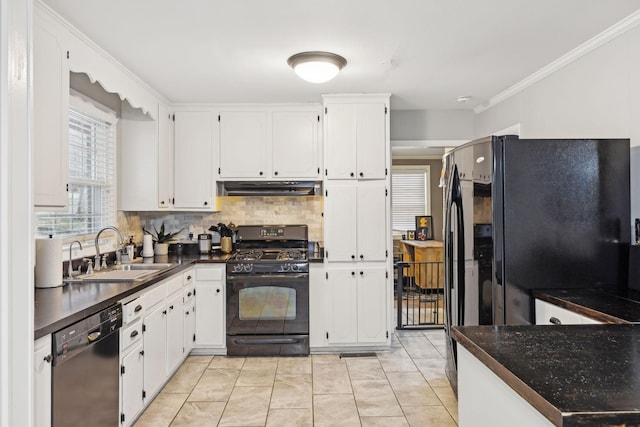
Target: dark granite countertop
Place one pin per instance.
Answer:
(56, 308)
(575, 375)
(599, 305)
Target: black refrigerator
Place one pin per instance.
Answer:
(525, 214)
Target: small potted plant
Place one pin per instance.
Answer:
(161, 239)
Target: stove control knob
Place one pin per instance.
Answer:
(248, 268)
(285, 267)
(295, 267)
(237, 268)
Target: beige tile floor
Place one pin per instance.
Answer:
(403, 387)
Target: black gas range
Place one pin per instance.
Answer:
(268, 291)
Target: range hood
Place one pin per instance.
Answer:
(271, 188)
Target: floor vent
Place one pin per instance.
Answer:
(357, 355)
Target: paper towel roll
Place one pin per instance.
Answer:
(147, 246)
(48, 263)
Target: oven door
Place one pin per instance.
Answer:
(268, 314)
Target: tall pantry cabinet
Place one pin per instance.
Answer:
(357, 221)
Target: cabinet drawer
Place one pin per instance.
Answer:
(209, 273)
(189, 292)
(130, 335)
(154, 296)
(187, 277)
(174, 284)
(133, 310)
(551, 314)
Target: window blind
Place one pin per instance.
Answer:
(409, 197)
(91, 201)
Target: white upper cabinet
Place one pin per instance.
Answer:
(296, 149)
(270, 143)
(165, 158)
(50, 118)
(243, 144)
(356, 221)
(193, 151)
(357, 143)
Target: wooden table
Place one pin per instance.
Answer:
(429, 272)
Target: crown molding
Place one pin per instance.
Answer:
(590, 45)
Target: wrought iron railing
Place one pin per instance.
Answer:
(419, 294)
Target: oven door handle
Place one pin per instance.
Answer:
(268, 276)
(261, 341)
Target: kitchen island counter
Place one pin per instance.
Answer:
(598, 305)
(56, 308)
(574, 375)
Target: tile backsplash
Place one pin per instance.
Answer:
(237, 209)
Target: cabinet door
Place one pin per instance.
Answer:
(342, 319)
(50, 119)
(189, 326)
(165, 157)
(243, 144)
(371, 141)
(340, 157)
(210, 324)
(155, 349)
(372, 200)
(193, 147)
(131, 382)
(340, 230)
(42, 382)
(295, 151)
(138, 160)
(373, 316)
(175, 332)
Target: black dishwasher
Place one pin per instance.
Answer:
(86, 371)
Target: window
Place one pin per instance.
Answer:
(409, 196)
(92, 192)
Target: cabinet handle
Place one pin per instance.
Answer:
(48, 358)
(361, 256)
(189, 294)
(260, 173)
(217, 291)
(351, 174)
(206, 203)
(142, 353)
(361, 174)
(171, 307)
(186, 312)
(164, 312)
(353, 273)
(362, 273)
(276, 173)
(137, 309)
(133, 334)
(189, 277)
(555, 321)
(353, 257)
(162, 202)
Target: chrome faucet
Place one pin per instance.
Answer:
(70, 271)
(96, 266)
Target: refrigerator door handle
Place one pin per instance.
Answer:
(455, 198)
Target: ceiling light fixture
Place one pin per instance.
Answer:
(316, 67)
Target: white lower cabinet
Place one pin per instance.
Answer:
(189, 325)
(42, 358)
(175, 332)
(210, 308)
(551, 314)
(357, 298)
(155, 349)
(131, 384)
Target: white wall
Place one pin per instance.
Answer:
(597, 96)
(431, 125)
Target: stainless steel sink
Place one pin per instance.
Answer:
(122, 273)
(150, 266)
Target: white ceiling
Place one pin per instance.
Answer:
(424, 52)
